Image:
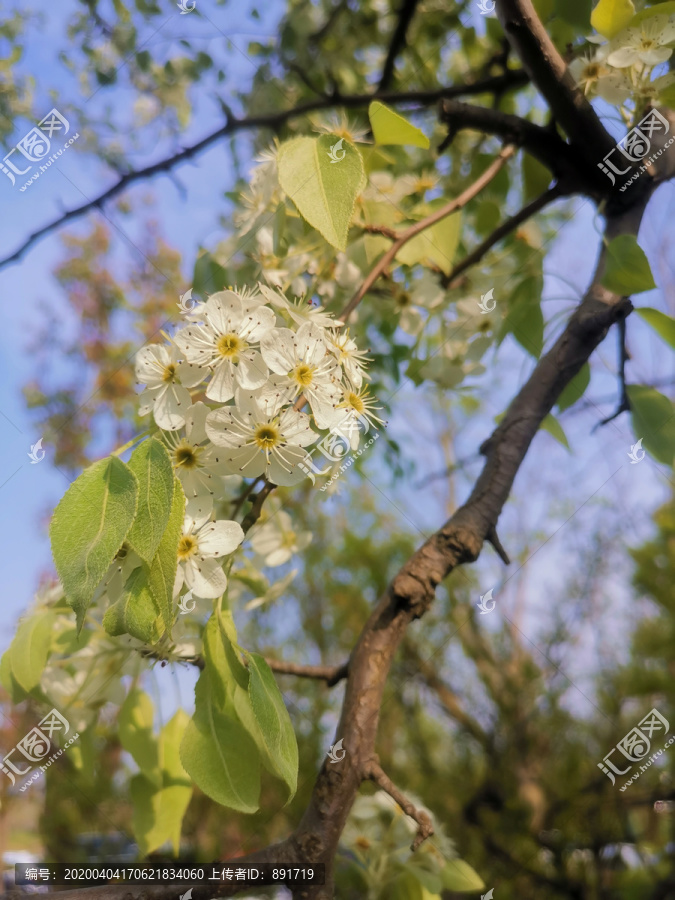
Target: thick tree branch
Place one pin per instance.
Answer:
(412, 591)
(403, 238)
(405, 14)
(274, 121)
(550, 75)
(541, 143)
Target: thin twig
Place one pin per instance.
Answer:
(374, 772)
(330, 674)
(509, 225)
(421, 226)
(398, 41)
(275, 121)
(624, 402)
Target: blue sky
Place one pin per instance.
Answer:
(599, 466)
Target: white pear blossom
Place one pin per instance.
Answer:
(197, 462)
(383, 186)
(300, 312)
(353, 415)
(225, 344)
(588, 69)
(200, 548)
(262, 440)
(275, 541)
(348, 355)
(645, 43)
(303, 365)
(158, 367)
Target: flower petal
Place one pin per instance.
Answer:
(205, 578)
(221, 385)
(251, 371)
(219, 538)
(278, 350)
(171, 406)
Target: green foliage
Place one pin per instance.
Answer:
(390, 127)
(575, 389)
(276, 741)
(162, 574)
(89, 526)
(240, 722)
(653, 417)
(436, 245)
(611, 16)
(627, 269)
(159, 808)
(27, 655)
(136, 612)
(151, 465)
(323, 190)
(524, 319)
(459, 876)
(555, 429)
(135, 723)
(662, 324)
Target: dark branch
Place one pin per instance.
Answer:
(550, 75)
(398, 42)
(509, 225)
(541, 143)
(330, 674)
(624, 403)
(273, 121)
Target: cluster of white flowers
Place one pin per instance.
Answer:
(252, 360)
(621, 68)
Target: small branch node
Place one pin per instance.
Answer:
(492, 538)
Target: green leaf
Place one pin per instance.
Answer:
(136, 612)
(389, 127)
(134, 725)
(217, 750)
(324, 191)
(627, 269)
(436, 245)
(524, 319)
(611, 16)
(208, 276)
(554, 428)
(653, 417)
(280, 752)
(89, 526)
(30, 648)
(8, 681)
(458, 876)
(536, 177)
(162, 574)
(575, 388)
(151, 465)
(659, 9)
(576, 12)
(662, 324)
(169, 749)
(158, 813)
